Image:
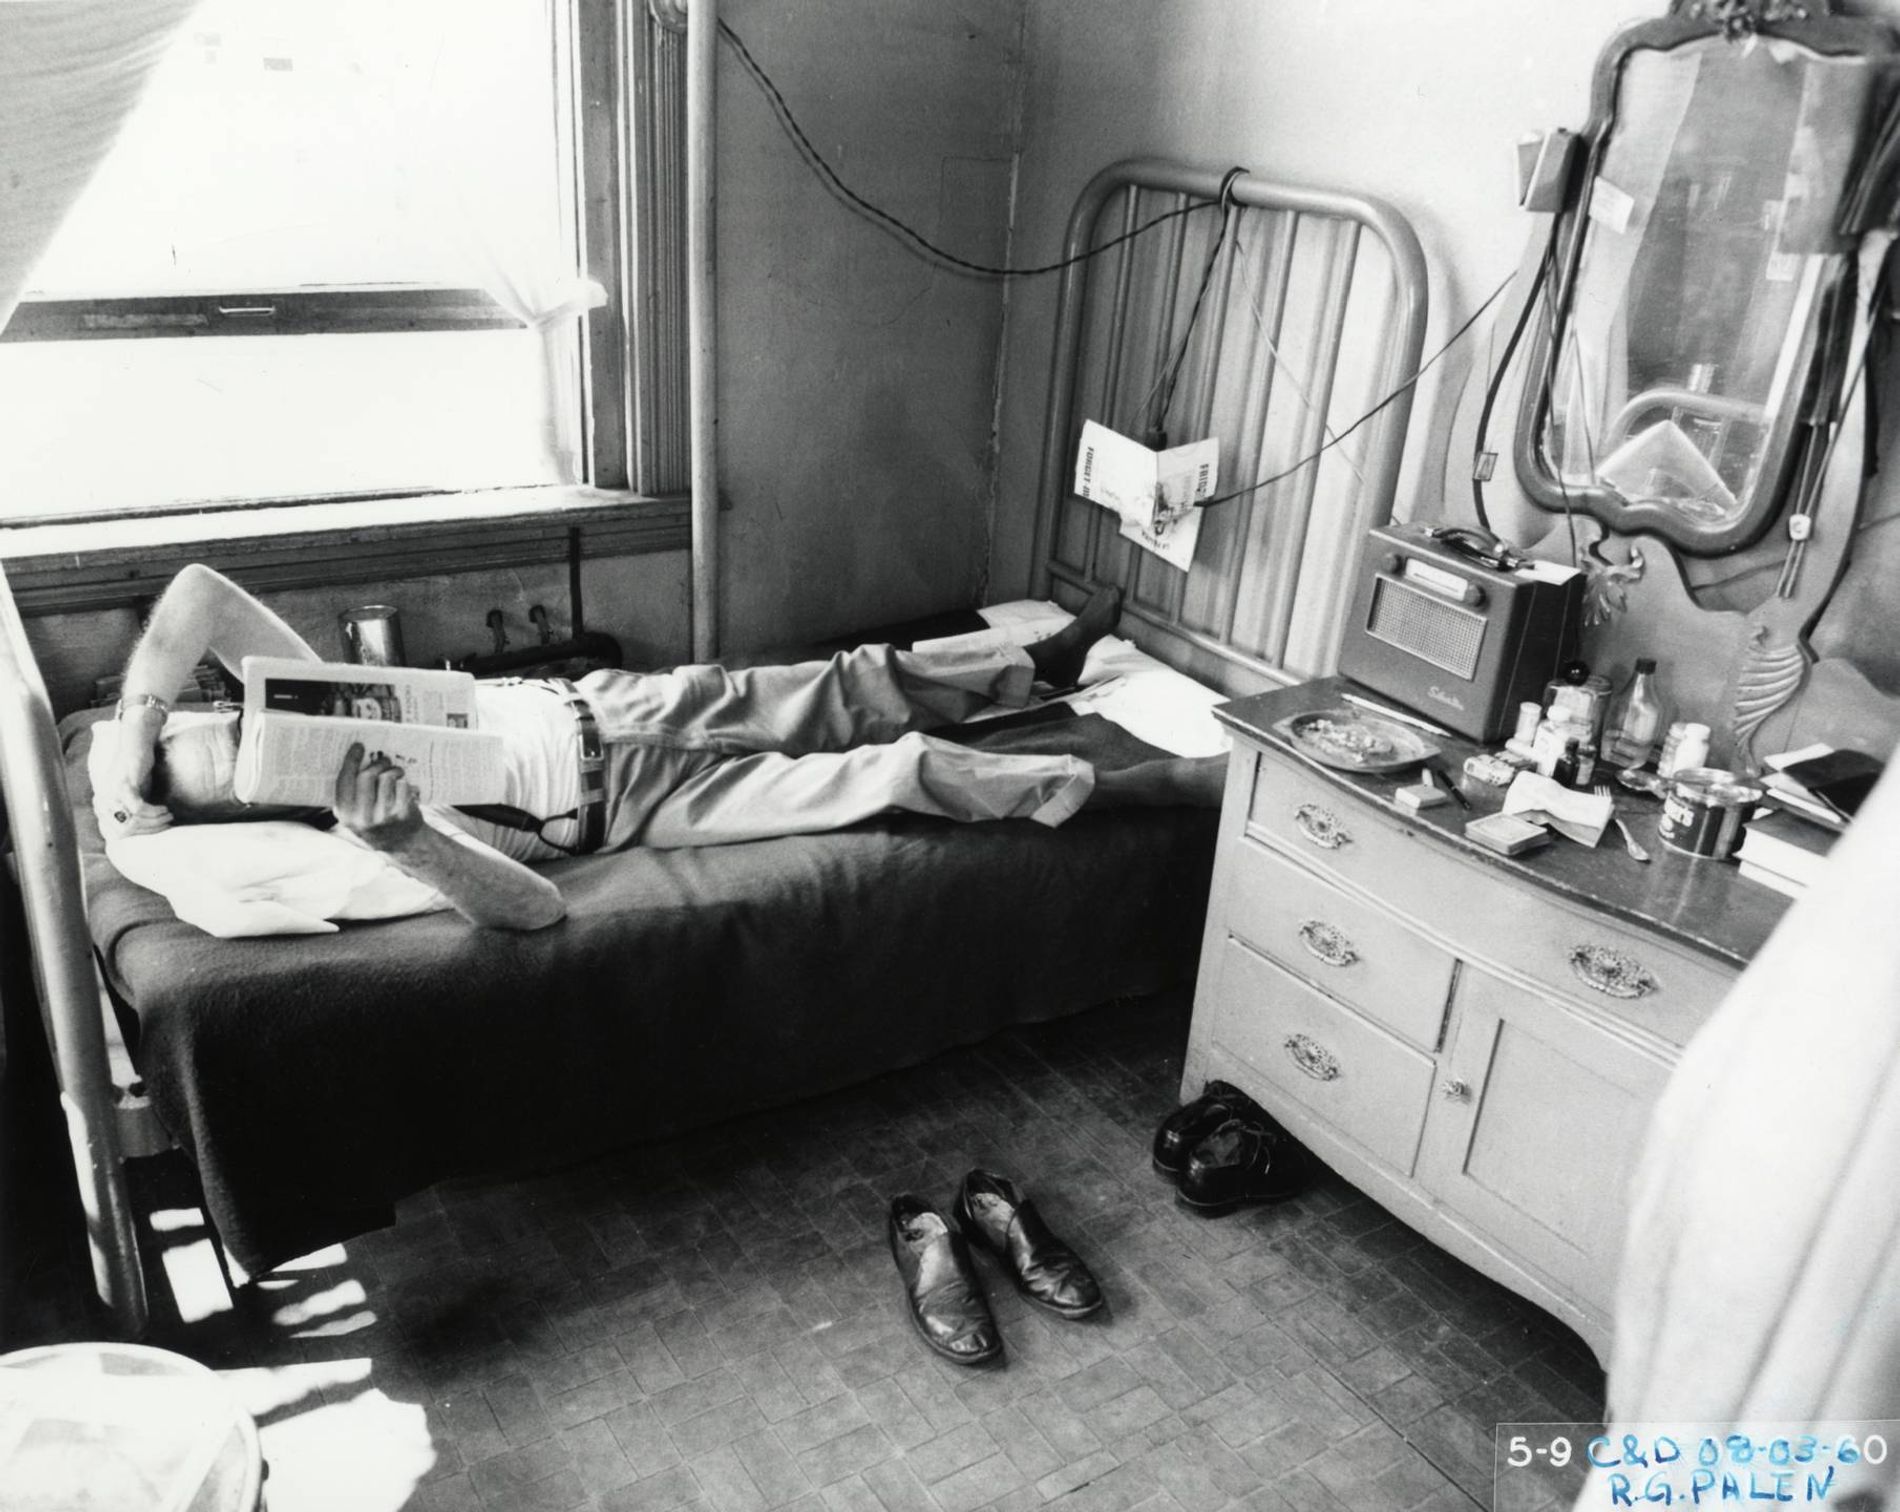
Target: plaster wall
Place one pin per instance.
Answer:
(857, 382)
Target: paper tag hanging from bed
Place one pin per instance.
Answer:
(1152, 493)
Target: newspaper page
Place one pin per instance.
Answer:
(1152, 494)
(301, 717)
(405, 695)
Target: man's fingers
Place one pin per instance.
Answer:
(390, 785)
(347, 773)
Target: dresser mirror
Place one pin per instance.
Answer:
(1701, 294)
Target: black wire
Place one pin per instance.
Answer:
(1172, 375)
(789, 123)
(1320, 451)
(1546, 265)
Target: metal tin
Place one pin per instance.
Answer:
(1703, 810)
(372, 634)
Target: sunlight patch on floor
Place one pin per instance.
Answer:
(305, 1412)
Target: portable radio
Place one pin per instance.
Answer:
(1454, 623)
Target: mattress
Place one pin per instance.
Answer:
(313, 1080)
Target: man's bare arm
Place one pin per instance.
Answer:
(200, 611)
(374, 800)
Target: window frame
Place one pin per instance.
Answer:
(620, 75)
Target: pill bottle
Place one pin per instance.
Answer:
(1686, 746)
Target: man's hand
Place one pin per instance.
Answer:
(375, 801)
(119, 801)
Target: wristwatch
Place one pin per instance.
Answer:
(142, 701)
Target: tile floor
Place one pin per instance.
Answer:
(716, 1323)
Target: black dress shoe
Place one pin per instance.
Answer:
(947, 1305)
(1245, 1160)
(1045, 1270)
(1190, 1123)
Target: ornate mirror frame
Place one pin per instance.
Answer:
(1810, 337)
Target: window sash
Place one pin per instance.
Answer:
(620, 76)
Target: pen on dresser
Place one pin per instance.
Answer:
(1451, 782)
(1403, 718)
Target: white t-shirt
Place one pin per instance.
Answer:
(541, 748)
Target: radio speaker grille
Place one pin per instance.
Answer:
(1440, 633)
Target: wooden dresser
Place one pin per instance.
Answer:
(1475, 1042)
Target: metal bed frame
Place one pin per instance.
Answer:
(1265, 592)
(1300, 336)
(101, 1124)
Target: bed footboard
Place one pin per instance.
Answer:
(46, 860)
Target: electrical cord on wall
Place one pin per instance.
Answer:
(1171, 375)
(1223, 202)
(1319, 451)
(915, 239)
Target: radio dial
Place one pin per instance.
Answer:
(1391, 563)
(1475, 596)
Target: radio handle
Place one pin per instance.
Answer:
(1476, 545)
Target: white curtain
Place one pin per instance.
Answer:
(70, 73)
(481, 192)
(1761, 1274)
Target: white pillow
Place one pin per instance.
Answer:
(271, 877)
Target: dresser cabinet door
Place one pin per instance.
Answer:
(1537, 1119)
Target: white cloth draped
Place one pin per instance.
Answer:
(1761, 1273)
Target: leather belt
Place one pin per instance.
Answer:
(591, 815)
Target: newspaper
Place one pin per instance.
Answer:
(1154, 494)
(300, 717)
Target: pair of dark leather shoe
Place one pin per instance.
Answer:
(946, 1301)
(1224, 1151)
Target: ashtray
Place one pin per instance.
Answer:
(1352, 740)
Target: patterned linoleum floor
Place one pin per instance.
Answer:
(717, 1323)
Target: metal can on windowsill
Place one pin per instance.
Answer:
(1703, 811)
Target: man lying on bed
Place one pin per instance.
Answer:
(694, 756)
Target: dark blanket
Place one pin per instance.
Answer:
(315, 1079)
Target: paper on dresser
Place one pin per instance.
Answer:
(1582, 817)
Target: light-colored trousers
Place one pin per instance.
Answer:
(701, 755)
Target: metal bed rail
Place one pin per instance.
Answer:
(1311, 314)
(46, 858)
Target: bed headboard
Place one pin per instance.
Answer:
(1313, 312)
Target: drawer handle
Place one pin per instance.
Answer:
(1326, 943)
(1614, 973)
(1312, 1057)
(1456, 1090)
(1321, 826)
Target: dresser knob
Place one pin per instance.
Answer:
(1312, 1057)
(1326, 943)
(1456, 1090)
(1321, 826)
(1614, 973)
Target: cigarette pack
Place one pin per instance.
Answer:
(1507, 834)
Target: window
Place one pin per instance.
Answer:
(344, 248)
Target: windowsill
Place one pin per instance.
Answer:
(109, 563)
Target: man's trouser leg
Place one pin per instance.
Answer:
(754, 797)
(867, 696)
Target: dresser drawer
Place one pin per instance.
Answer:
(1348, 947)
(1349, 1072)
(1483, 913)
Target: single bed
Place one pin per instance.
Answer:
(315, 1080)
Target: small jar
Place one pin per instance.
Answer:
(1579, 696)
(1686, 746)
